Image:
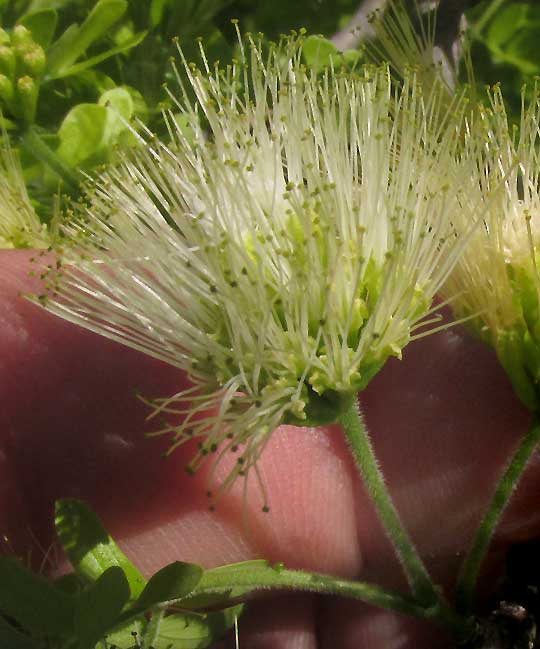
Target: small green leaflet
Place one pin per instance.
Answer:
(172, 582)
(99, 606)
(191, 631)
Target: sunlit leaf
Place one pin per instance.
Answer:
(89, 547)
(319, 52)
(119, 99)
(187, 631)
(124, 636)
(88, 134)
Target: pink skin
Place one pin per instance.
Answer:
(443, 422)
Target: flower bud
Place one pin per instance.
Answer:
(27, 94)
(21, 36)
(7, 61)
(34, 61)
(7, 90)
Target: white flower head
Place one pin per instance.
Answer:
(497, 277)
(279, 252)
(20, 226)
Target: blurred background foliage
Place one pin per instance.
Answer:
(73, 73)
(505, 46)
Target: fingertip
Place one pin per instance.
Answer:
(306, 517)
(346, 624)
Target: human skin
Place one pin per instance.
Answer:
(443, 421)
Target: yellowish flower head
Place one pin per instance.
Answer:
(279, 250)
(20, 226)
(497, 277)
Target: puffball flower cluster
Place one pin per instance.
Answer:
(496, 280)
(20, 226)
(278, 249)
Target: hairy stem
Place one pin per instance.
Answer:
(358, 438)
(248, 577)
(470, 568)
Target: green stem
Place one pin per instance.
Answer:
(43, 152)
(488, 14)
(265, 576)
(419, 579)
(470, 568)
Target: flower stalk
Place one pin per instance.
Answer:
(263, 576)
(361, 448)
(470, 568)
